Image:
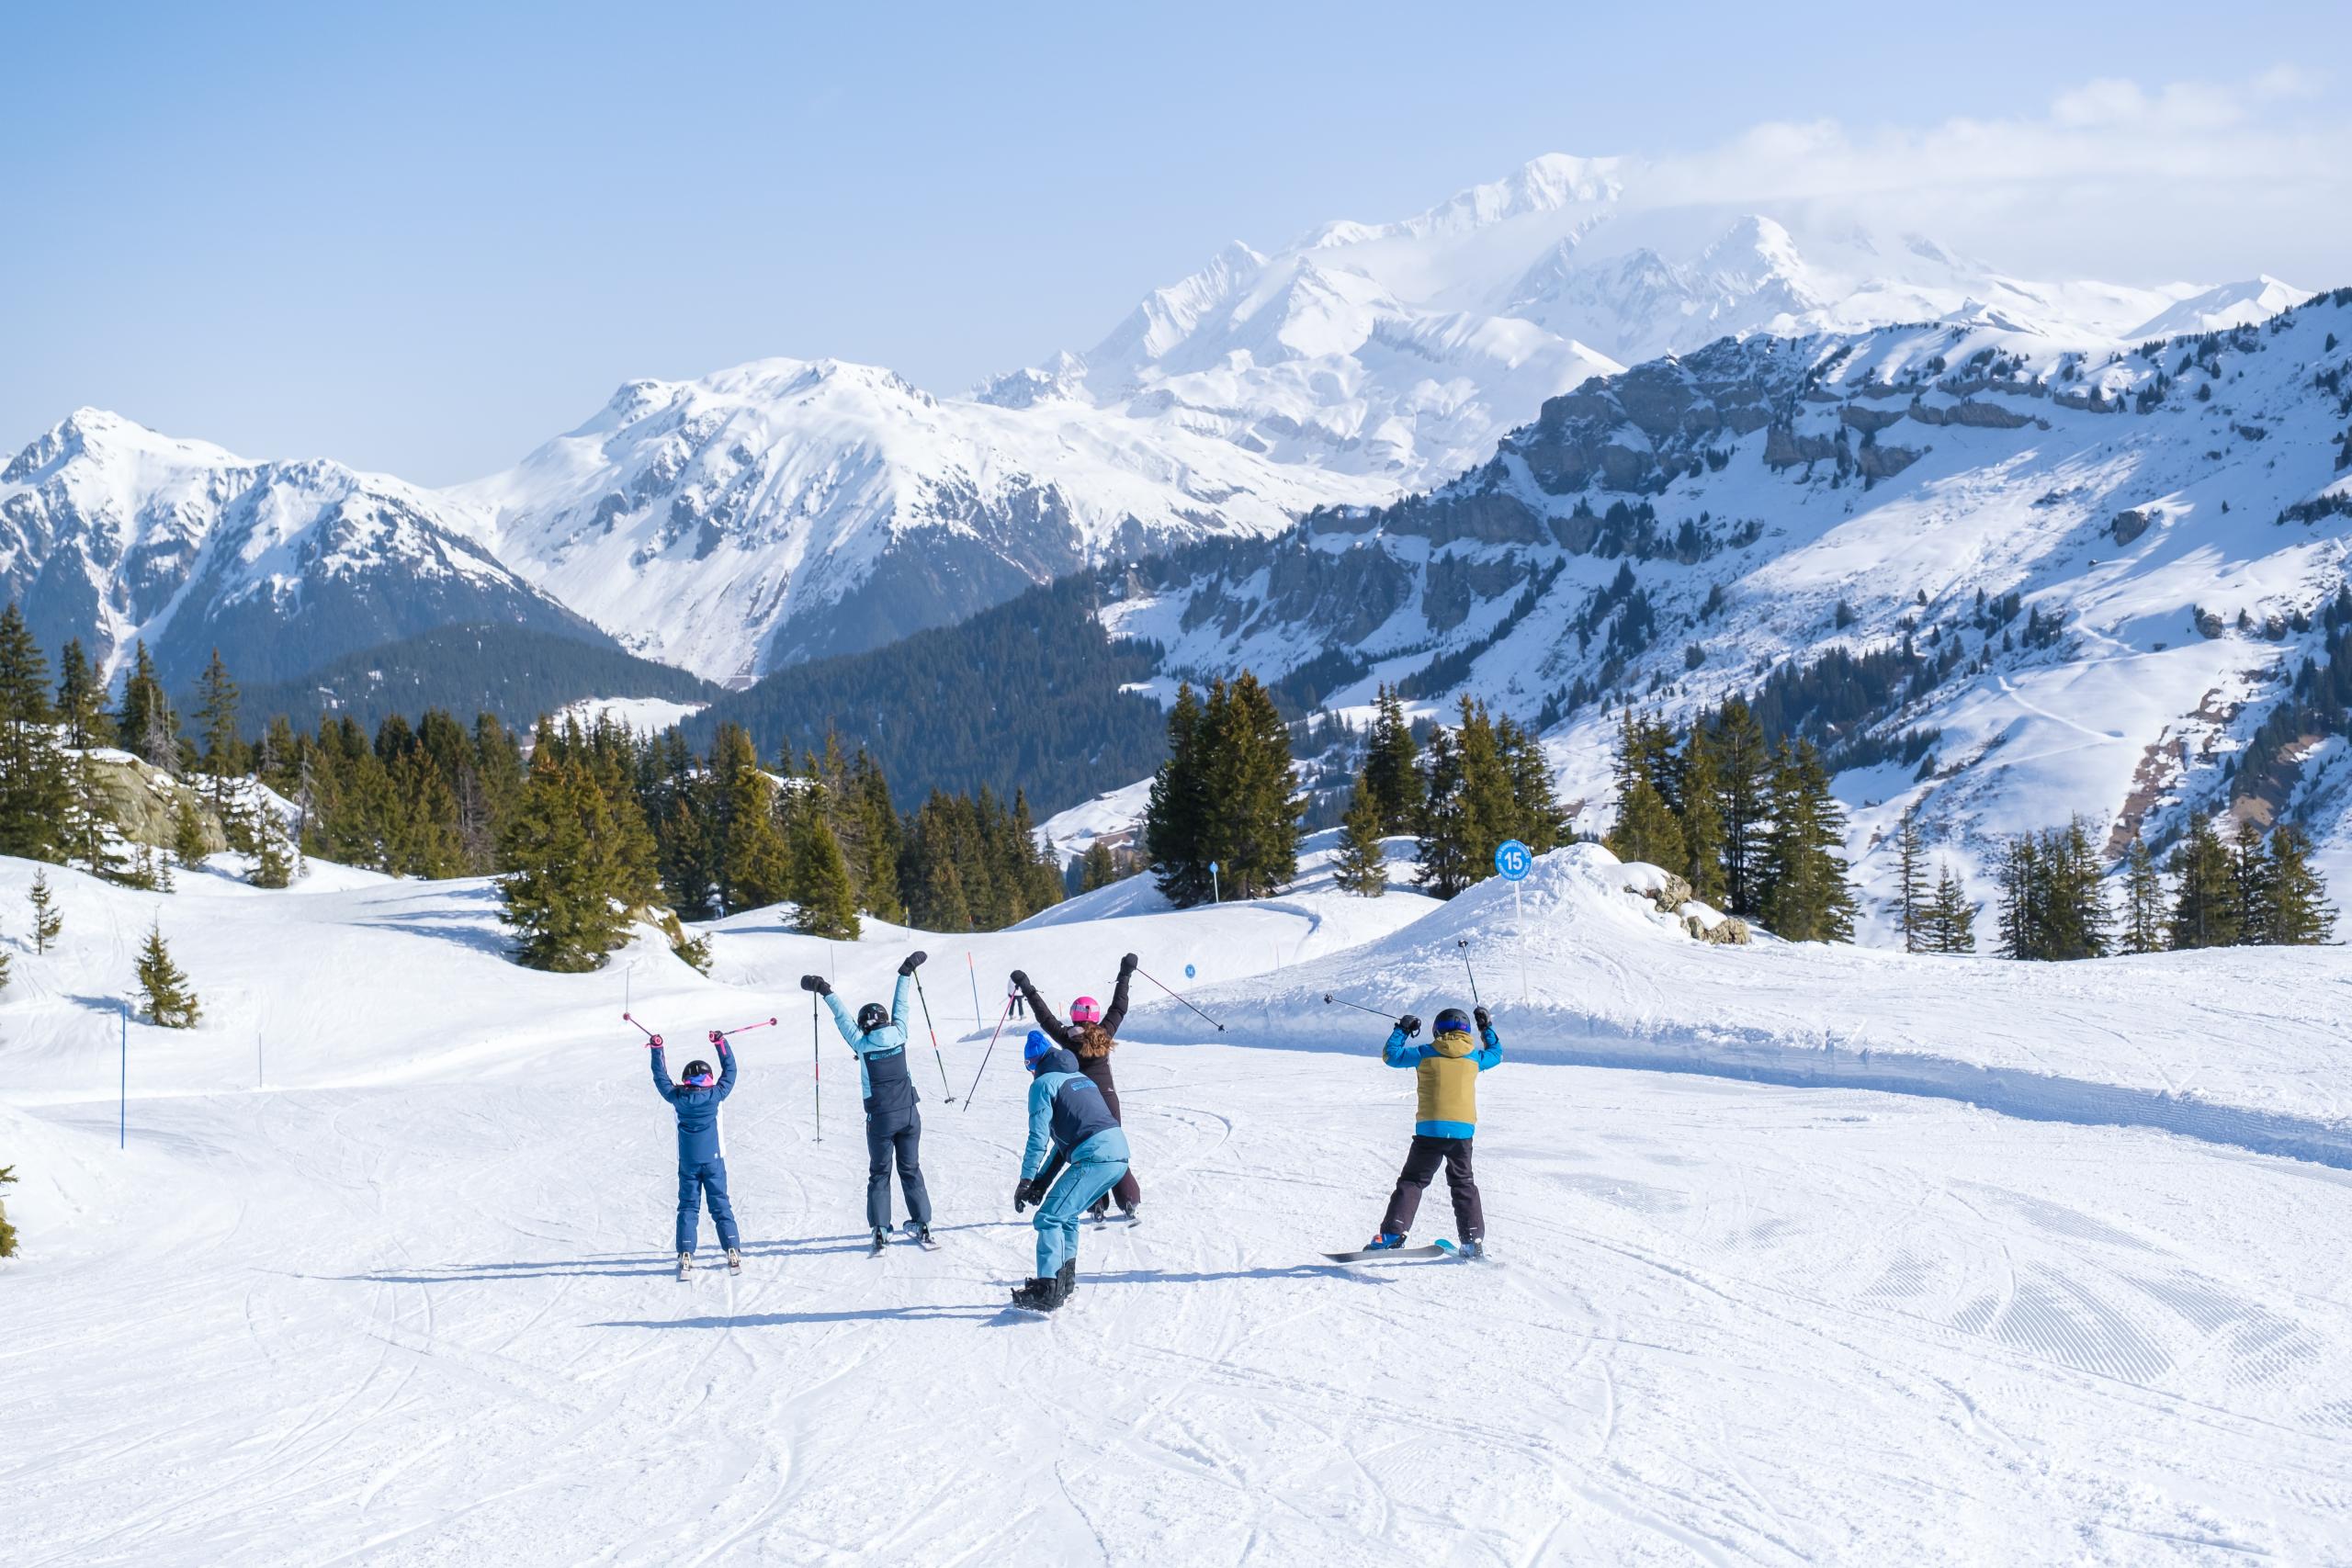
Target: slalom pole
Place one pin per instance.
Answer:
(1155, 980)
(1462, 945)
(936, 1055)
(815, 1068)
(990, 1051)
(1343, 1002)
(976, 986)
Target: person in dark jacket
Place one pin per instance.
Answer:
(702, 1150)
(1072, 1136)
(893, 1125)
(1446, 1083)
(1089, 1035)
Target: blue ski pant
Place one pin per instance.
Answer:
(1094, 1169)
(894, 1136)
(693, 1182)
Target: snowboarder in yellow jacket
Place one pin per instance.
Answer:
(1446, 1072)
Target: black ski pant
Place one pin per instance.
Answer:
(897, 1135)
(1126, 1189)
(1420, 1164)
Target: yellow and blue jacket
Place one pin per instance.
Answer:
(1448, 1069)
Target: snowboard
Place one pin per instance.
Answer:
(1375, 1253)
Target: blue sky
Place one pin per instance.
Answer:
(423, 237)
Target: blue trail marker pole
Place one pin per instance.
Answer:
(1214, 897)
(1513, 859)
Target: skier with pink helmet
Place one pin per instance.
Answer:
(1089, 1035)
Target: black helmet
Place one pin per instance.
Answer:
(1453, 1019)
(698, 1073)
(871, 1017)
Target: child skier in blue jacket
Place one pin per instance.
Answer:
(1069, 1126)
(1446, 1071)
(893, 1125)
(702, 1151)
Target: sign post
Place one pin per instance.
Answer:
(1513, 860)
(1213, 892)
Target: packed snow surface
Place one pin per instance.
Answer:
(383, 1273)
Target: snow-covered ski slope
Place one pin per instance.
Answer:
(409, 1301)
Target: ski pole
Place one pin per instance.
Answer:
(1462, 944)
(1358, 1006)
(936, 1055)
(815, 1068)
(764, 1023)
(990, 1051)
(1155, 980)
(641, 1029)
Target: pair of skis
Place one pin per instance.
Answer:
(1382, 1254)
(914, 1233)
(686, 1263)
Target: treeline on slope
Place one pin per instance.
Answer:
(2318, 704)
(600, 825)
(1751, 826)
(2053, 902)
(1030, 690)
(514, 672)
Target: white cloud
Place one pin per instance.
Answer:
(2190, 177)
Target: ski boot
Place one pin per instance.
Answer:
(685, 1264)
(1041, 1295)
(1471, 1251)
(1386, 1241)
(881, 1240)
(922, 1234)
(1066, 1279)
(1099, 1210)
(1133, 1212)
(734, 1261)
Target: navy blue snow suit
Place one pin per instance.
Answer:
(893, 1126)
(1069, 1120)
(702, 1150)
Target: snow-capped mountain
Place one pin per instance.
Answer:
(787, 509)
(2107, 565)
(111, 533)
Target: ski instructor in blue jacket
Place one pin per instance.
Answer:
(702, 1150)
(893, 1125)
(1069, 1126)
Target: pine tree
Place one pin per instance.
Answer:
(1743, 765)
(217, 716)
(1254, 803)
(1441, 848)
(273, 854)
(1391, 765)
(48, 921)
(2205, 903)
(2297, 914)
(1646, 828)
(819, 883)
(1537, 819)
(170, 1003)
(147, 726)
(2143, 901)
(1362, 867)
(7, 965)
(80, 700)
(85, 831)
(1702, 820)
(2250, 882)
(189, 838)
(558, 889)
(8, 1231)
(754, 863)
(1097, 867)
(1910, 886)
(33, 785)
(1806, 895)
(1951, 918)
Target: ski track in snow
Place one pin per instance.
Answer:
(413, 1304)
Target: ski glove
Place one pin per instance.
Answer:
(1020, 1195)
(913, 961)
(1485, 1019)
(816, 983)
(1128, 966)
(1411, 1025)
(653, 1042)
(1019, 978)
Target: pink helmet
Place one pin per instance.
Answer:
(1086, 1010)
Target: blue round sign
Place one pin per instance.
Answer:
(1513, 859)
(1188, 971)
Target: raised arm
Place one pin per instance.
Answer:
(899, 997)
(843, 1018)
(726, 1064)
(1060, 1033)
(1400, 1052)
(661, 1084)
(1117, 1014)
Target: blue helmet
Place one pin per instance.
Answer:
(1452, 1020)
(1033, 1048)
